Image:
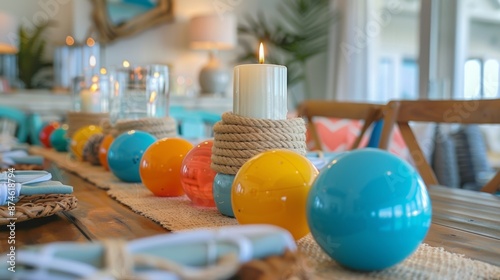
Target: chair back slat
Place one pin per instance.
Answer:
(367, 112)
(440, 111)
(450, 111)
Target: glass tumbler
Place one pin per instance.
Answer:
(91, 94)
(139, 92)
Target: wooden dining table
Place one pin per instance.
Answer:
(463, 222)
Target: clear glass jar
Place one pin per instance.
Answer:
(139, 92)
(91, 93)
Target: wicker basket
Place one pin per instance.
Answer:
(37, 206)
(23, 167)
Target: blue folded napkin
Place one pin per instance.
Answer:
(25, 176)
(29, 182)
(195, 254)
(19, 156)
(35, 160)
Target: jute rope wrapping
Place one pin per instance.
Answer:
(77, 120)
(237, 139)
(159, 127)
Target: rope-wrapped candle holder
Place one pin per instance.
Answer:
(237, 139)
(141, 102)
(77, 120)
(158, 127)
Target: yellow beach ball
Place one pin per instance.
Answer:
(272, 188)
(80, 138)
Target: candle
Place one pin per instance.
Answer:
(91, 56)
(92, 63)
(260, 90)
(91, 98)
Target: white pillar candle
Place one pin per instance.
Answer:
(260, 90)
(91, 99)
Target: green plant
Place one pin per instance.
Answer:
(298, 35)
(30, 58)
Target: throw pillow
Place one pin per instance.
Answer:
(444, 160)
(337, 135)
(471, 154)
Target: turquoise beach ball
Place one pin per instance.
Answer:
(59, 140)
(124, 154)
(368, 210)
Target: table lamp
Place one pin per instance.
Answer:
(214, 33)
(8, 34)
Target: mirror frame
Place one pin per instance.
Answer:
(163, 12)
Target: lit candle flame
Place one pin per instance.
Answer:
(90, 42)
(153, 97)
(70, 41)
(94, 87)
(261, 53)
(126, 64)
(92, 61)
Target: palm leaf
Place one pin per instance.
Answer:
(299, 34)
(31, 51)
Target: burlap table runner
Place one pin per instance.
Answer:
(178, 214)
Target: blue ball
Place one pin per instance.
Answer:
(59, 140)
(369, 210)
(124, 154)
(221, 190)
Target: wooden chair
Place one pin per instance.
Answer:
(344, 110)
(440, 111)
(19, 118)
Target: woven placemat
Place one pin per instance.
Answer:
(179, 214)
(37, 206)
(22, 167)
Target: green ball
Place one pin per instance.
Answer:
(58, 139)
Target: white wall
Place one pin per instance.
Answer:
(30, 13)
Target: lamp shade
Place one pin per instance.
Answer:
(213, 32)
(8, 33)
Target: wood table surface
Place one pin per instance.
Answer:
(463, 222)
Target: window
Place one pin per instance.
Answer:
(397, 78)
(481, 78)
(472, 79)
(490, 78)
(385, 85)
(409, 79)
